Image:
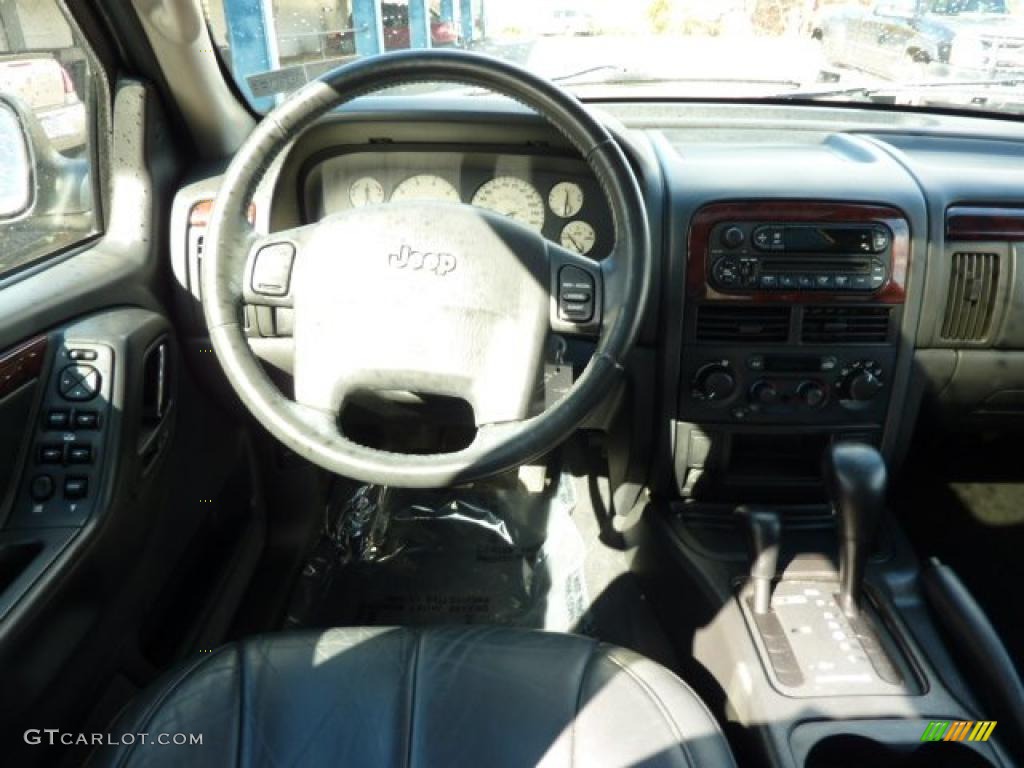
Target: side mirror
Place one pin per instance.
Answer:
(17, 187)
(34, 175)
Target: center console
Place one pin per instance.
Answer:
(791, 335)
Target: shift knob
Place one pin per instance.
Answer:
(765, 530)
(855, 478)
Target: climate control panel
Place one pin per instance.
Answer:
(780, 386)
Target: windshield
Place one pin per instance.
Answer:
(952, 54)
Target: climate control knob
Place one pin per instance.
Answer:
(811, 393)
(715, 382)
(763, 392)
(863, 386)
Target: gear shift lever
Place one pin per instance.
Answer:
(855, 478)
(764, 536)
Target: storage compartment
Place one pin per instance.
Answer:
(887, 744)
(850, 751)
(14, 559)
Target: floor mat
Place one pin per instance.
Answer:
(490, 554)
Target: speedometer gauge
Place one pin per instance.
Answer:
(365, 191)
(425, 187)
(578, 236)
(512, 197)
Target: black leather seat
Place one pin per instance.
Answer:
(460, 696)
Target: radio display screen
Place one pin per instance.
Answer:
(792, 363)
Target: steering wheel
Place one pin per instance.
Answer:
(424, 297)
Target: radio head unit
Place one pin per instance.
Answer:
(748, 257)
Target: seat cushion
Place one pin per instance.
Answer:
(473, 696)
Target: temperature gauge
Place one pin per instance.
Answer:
(578, 236)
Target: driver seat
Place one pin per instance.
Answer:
(453, 696)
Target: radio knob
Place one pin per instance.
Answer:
(811, 393)
(863, 386)
(763, 392)
(733, 237)
(715, 382)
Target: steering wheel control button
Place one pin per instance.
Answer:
(575, 295)
(272, 271)
(76, 487)
(87, 420)
(51, 454)
(78, 382)
(79, 453)
(57, 418)
(41, 488)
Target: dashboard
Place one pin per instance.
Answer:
(543, 190)
(821, 272)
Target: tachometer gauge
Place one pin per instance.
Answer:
(425, 187)
(512, 197)
(565, 199)
(578, 236)
(365, 191)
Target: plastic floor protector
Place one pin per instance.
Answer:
(491, 553)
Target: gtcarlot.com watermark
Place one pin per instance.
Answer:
(55, 736)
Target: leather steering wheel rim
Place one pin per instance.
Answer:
(315, 435)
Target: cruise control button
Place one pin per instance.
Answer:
(41, 488)
(76, 487)
(57, 418)
(79, 453)
(576, 281)
(576, 296)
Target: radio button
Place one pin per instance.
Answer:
(788, 282)
(861, 283)
(877, 281)
(823, 282)
(880, 240)
(842, 282)
(805, 282)
(733, 237)
(769, 282)
(763, 238)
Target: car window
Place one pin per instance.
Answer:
(46, 136)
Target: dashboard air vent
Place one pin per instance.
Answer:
(971, 300)
(845, 325)
(742, 324)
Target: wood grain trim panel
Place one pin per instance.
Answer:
(969, 222)
(893, 292)
(21, 364)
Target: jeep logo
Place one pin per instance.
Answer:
(407, 258)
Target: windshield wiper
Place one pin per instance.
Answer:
(871, 91)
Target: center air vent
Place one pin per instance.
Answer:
(742, 324)
(845, 325)
(971, 300)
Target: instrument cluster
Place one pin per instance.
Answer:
(552, 194)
